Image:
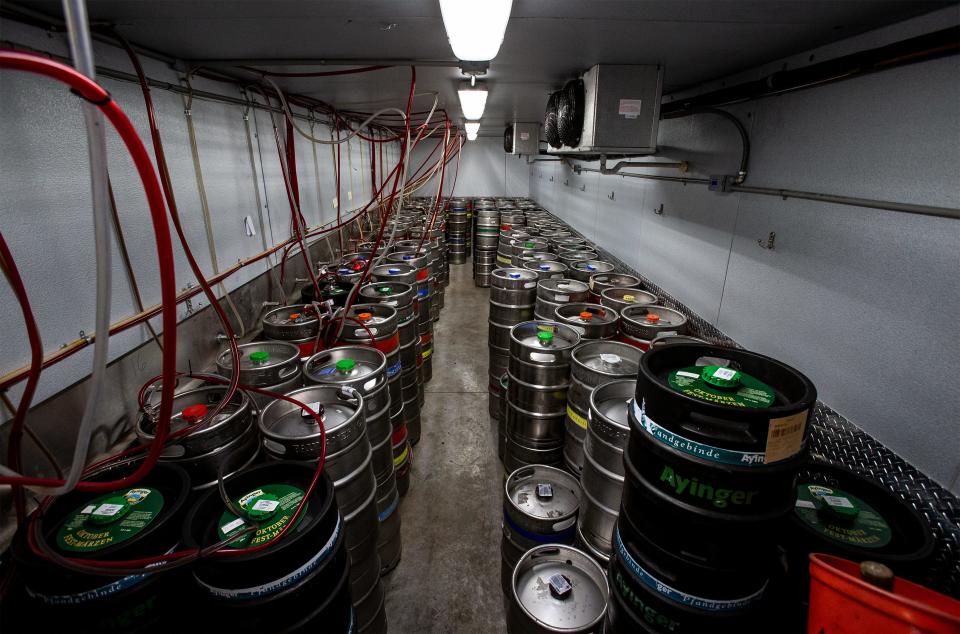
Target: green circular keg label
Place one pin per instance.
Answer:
(841, 517)
(109, 519)
(271, 505)
(746, 391)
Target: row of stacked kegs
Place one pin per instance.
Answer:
(354, 353)
(653, 480)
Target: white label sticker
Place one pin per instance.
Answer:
(785, 436)
(88, 510)
(689, 375)
(529, 284)
(360, 332)
(524, 136)
(840, 502)
(229, 526)
(313, 409)
(334, 201)
(108, 510)
(267, 506)
(561, 299)
(805, 504)
(724, 373)
(630, 108)
(542, 357)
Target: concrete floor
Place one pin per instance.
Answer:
(449, 577)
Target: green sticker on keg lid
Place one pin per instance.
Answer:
(724, 386)
(346, 365)
(272, 505)
(841, 517)
(259, 356)
(109, 519)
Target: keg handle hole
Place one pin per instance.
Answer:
(721, 428)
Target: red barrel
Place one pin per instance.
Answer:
(843, 603)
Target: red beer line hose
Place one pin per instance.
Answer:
(327, 73)
(294, 207)
(416, 173)
(134, 320)
(92, 92)
(389, 209)
(59, 355)
(336, 129)
(290, 244)
(439, 201)
(291, 147)
(12, 274)
(167, 184)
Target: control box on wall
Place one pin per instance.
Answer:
(610, 109)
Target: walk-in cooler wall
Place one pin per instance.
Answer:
(43, 158)
(861, 300)
(485, 169)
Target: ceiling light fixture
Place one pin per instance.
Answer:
(473, 99)
(475, 29)
(472, 128)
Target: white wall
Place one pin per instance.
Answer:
(863, 301)
(45, 209)
(485, 170)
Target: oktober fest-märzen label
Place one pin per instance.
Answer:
(109, 520)
(841, 516)
(272, 506)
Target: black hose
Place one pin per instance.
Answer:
(744, 137)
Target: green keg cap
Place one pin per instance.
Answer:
(835, 503)
(545, 336)
(385, 290)
(109, 511)
(719, 376)
(260, 356)
(346, 365)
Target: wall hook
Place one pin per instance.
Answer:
(583, 188)
(659, 210)
(769, 242)
(611, 196)
(566, 182)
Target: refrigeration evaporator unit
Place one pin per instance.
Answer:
(610, 109)
(522, 138)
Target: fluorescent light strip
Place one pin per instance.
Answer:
(475, 29)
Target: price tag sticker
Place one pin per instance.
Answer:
(311, 409)
(230, 526)
(724, 373)
(839, 502)
(108, 510)
(267, 506)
